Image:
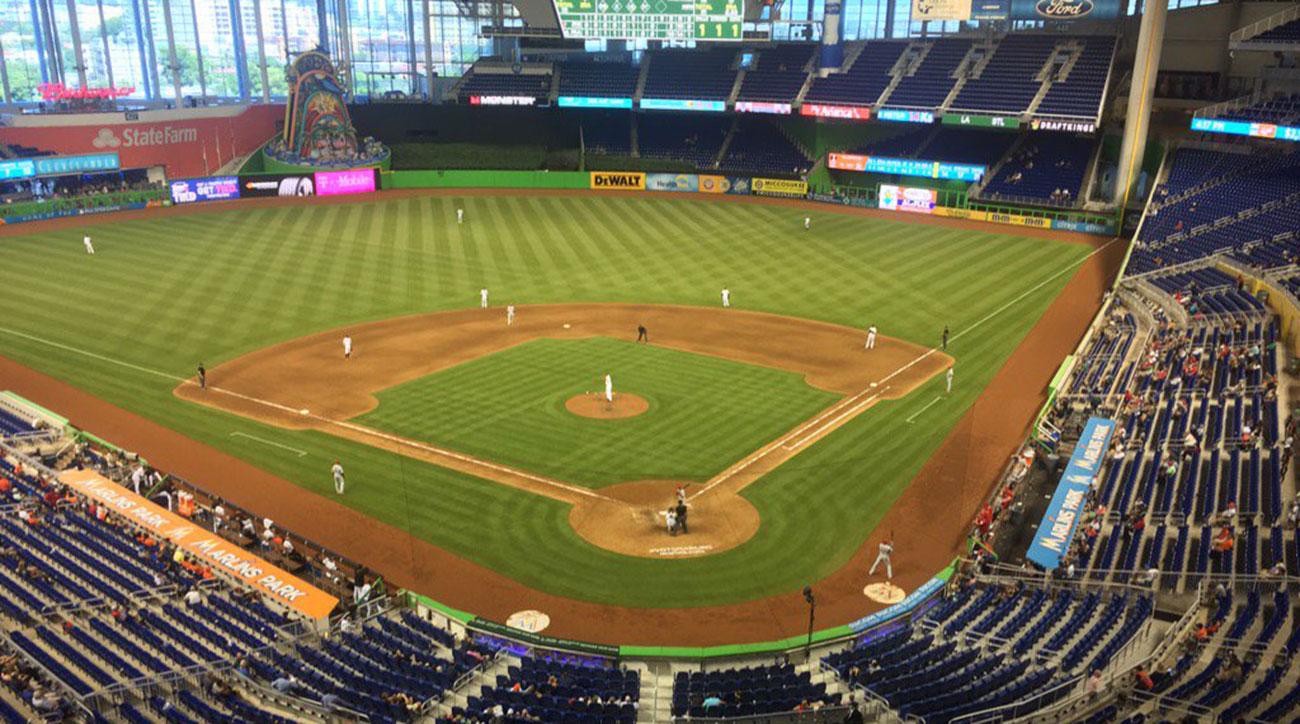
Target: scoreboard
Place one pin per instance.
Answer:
(651, 19)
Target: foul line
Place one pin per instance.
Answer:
(301, 453)
(724, 476)
(289, 410)
(783, 442)
(923, 409)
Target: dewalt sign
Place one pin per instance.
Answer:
(617, 181)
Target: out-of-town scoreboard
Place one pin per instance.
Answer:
(651, 19)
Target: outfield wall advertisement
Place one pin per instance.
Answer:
(1052, 540)
(618, 180)
(779, 187)
(911, 200)
(191, 190)
(672, 182)
(58, 165)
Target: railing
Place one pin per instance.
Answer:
(824, 715)
(68, 693)
(1014, 709)
(1263, 25)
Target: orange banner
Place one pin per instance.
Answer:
(224, 557)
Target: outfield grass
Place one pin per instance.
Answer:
(509, 407)
(162, 294)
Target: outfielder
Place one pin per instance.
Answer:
(340, 482)
(510, 314)
(949, 379)
(609, 388)
(886, 550)
(726, 297)
(460, 216)
(871, 337)
(482, 297)
(90, 248)
(807, 223)
(347, 346)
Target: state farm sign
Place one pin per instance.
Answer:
(147, 136)
(187, 144)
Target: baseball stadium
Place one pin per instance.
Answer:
(753, 361)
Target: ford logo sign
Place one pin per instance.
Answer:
(1064, 9)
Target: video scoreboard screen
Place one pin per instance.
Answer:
(651, 19)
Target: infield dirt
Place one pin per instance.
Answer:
(934, 512)
(308, 383)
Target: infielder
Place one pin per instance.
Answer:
(510, 314)
(945, 337)
(482, 298)
(949, 379)
(347, 346)
(460, 216)
(642, 334)
(871, 337)
(203, 377)
(90, 248)
(609, 388)
(886, 549)
(340, 482)
(807, 223)
(726, 297)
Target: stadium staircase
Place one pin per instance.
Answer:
(474, 682)
(976, 56)
(641, 79)
(911, 59)
(735, 87)
(977, 188)
(1047, 77)
(726, 142)
(1241, 39)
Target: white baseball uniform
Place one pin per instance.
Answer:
(871, 337)
(886, 549)
(347, 347)
(949, 376)
(510, 314)
(609, 388)
(726, 297)
(339, 482)
(90, 248)
(482, 298)
(807, 223)
(460, 216)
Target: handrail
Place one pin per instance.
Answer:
(1263, 25)
(997, 713)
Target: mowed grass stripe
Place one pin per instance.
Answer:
(509, 406)
(166, 292)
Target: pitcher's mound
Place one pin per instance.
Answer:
(594, 405)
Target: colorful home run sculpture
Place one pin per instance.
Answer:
(317, 128)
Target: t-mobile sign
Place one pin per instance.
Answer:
(356, 181)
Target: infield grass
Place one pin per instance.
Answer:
(509, 407)
(163, 294)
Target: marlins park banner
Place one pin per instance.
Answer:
(223, 556)
(618, 180)
(1052, 540)
(778, 187)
